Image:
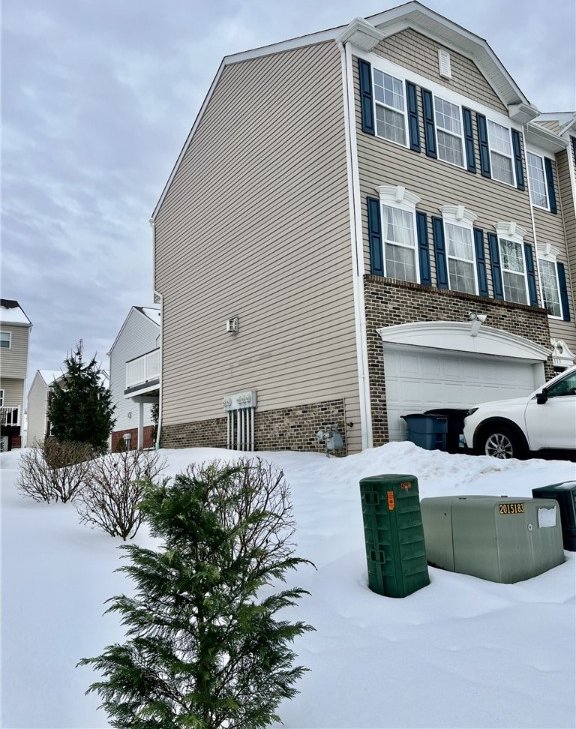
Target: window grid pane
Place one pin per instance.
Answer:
(390, 109)
(5, 338)
(513, 271)
(500, 139)
(550, 288)
(399, 243)
(390, 125)
(502, 168)
(514, 287)
(460, 251)
(537, 180)
(449, 129)
(501, 152)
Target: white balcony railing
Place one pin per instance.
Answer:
(10, 416)
(141, 370)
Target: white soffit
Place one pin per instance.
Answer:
(543, 138)
(456, 336)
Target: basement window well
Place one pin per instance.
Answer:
(240, 410)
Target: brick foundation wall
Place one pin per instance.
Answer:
(292, 429)
(117, 438)
(390, 303)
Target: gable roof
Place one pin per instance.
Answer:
(151, 313)
(50, 376)
(12, 313)
(366, 33)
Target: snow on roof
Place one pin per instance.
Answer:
(12, 313)
(152, 313)
(49, 376)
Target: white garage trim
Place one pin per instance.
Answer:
(457, 336)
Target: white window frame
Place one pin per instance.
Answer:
(549, 253)
(450, 132)
(2, 334)
(404, 111)
(459, 216)
(396, 196)
(541, 158)
(490, 121)
(514, 233)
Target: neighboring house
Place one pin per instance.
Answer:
(348, 236)
(135, 377)
(38, 400)
(14, 337)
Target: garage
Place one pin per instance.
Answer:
(441, 364)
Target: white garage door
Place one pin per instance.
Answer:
(420, 378)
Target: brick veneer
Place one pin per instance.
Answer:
(117, 437)
(292, 429)
(389, 303)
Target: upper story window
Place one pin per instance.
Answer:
(550, 288)
(537, 180)
(547, 263)
(390, 107)
(398, 208)
(449, 130)
(460, 248)
(501, 157)
(513, 265)
(5, 340)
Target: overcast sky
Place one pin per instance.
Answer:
(98, 97)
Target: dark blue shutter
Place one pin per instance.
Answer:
(469, 140)
(517, 148)
(483, 144)
(440, 253)
(366, 105)
(413, 123)
(563, 291)
(550, 185)
(480, 262)
(423, 250)
(429, 129)
(573, 140)
(530, 275)
(375, 236)
(495, 266)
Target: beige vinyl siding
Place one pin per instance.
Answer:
(415, 51)
(437, 183)
(256, 225)
(14, 361)
(556, 229)
(37, 410)
(13, 393)
(551, 125)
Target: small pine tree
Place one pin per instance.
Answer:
(206, 649)
(81, 408)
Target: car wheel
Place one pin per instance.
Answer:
(500, 441)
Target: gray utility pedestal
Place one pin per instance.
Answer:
(493, 537)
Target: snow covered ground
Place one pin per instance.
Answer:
(462, 652)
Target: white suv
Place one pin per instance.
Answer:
(512, 428)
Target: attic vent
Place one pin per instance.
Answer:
(444, 64)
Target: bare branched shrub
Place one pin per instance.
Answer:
(113, 488)
(54, 470)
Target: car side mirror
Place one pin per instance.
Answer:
(542, 397)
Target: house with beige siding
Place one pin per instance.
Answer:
(14, 337)
(355, 230)
(135, 378)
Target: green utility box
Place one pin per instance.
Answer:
(565, 495)
(493, 537)
(393, 533)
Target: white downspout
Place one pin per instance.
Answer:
(357, 244)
